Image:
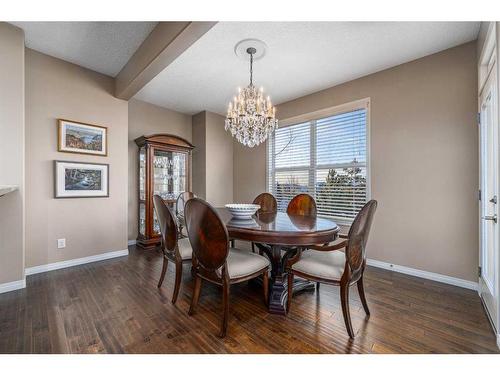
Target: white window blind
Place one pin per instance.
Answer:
(326, 158)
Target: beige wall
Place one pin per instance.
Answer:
(11, 152)
(147, 119)
(212, 159)
(57, 89)
(424, 162)
(219, 161)
(199, 153)
(249, 172)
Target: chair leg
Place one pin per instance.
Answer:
(317, 285)
(163, 271)
(344, 297)
(196, 294)
(265, 286)
(290, 291)
(361, 291)
(232, 243)
(225, 306)
(178, 278)
(253, 247)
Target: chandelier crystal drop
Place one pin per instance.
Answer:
(250, 117)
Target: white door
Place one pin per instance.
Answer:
(489, 141)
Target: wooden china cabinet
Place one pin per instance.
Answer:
(164, 169)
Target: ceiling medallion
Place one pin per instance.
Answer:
(251, 118)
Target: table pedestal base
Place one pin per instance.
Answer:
(278, 292)
(277, 297)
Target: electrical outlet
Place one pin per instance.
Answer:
(61, 243)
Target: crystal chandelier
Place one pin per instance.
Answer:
(250, 117)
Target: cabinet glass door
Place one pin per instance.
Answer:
(142, 191)
(169, 177)
(169, 174)
(142, 218)
(142, 174)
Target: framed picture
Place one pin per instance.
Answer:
(81, 180)
(82, 138)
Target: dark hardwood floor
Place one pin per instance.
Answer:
(114, 306)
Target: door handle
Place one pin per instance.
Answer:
(494, 218)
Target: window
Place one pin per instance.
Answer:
(326, 157)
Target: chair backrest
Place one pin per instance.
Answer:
(207, 234)
(181, 201)
(358, 236)
(267, 203)
(302, 204)
(168, 224)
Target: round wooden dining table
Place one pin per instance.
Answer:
(279, 235)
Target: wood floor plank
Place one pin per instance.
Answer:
(114, 306)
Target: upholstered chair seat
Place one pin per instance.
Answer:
(185, 249)
(242, 263)
(321, 264)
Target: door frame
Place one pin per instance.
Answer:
(488, 64)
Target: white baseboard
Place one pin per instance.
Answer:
(13, 285)
(424, 274)
(74, 262)
(132, 242)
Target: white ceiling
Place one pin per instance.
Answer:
(302, 57)
(101, 46)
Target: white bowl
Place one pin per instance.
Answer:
(243, 223)
(242, 210)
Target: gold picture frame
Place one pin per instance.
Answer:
(81, 138)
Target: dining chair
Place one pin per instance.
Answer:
(267, 204)
(303, 205)
(214, 260)
(177, 250)
(327, 264)
(179, 210)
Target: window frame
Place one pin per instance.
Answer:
(312, 168)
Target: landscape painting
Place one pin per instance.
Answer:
(81, 180)
(82, 138)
